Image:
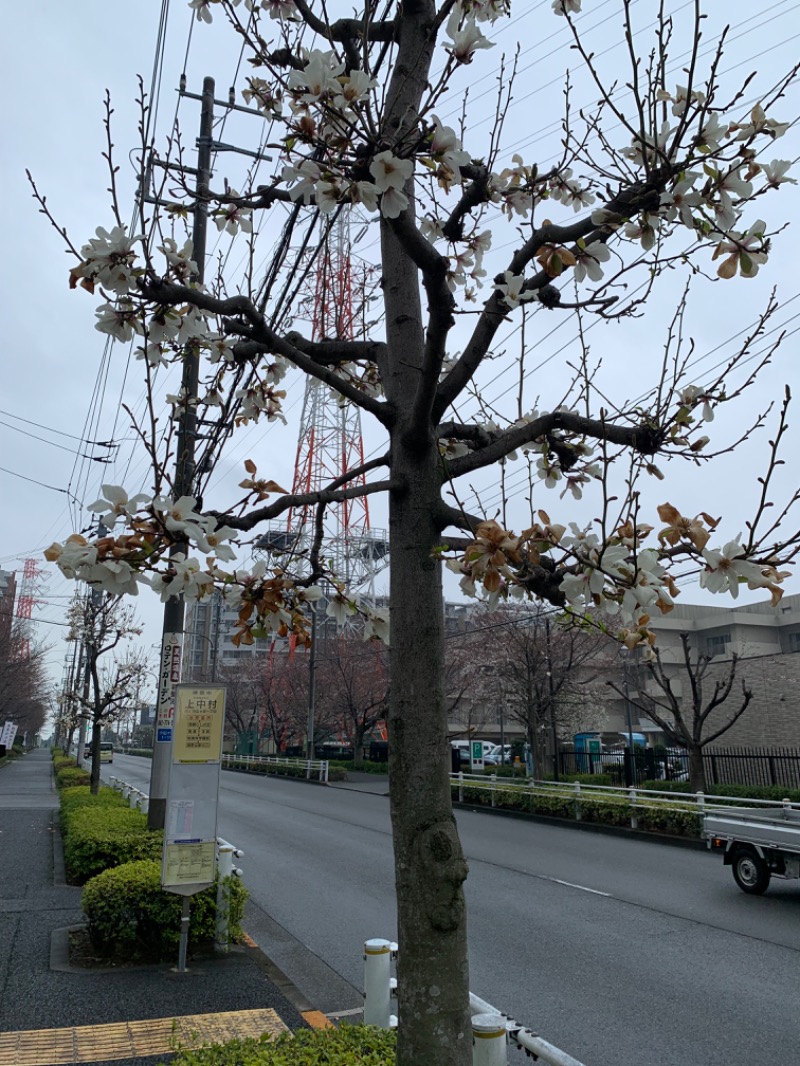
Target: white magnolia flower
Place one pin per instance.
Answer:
(727, 567)
(219, 348)
(177, 513)
(72, 556)
(193, 327)
(759, 123)
(564, 7)
(184, 579)
(487, 10)
(153, 354)
(511, 289)
(115, 503)
(376, 625)
(352, 89)
(181, 265)
(304, 177)
(445, 148)
(113, 576)
(120, 321)
(109, 259)
(317, 77)
(390, 171)
(264, 96)
(682, 199)
(464, 39)
(589, 260)
(231, 218)
(340, 608)
(364, 192)
(741, 253)
(202, 9)
(775, 173)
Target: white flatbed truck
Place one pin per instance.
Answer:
(758, 843)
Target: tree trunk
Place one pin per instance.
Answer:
(94, 778)
(433, 972)
(358, 746)
(697, 770)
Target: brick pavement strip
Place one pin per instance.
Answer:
(125, 1040)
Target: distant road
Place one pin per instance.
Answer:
(621, 952)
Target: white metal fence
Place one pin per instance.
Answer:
(638, 799)
(316, 768)
(492, 1030)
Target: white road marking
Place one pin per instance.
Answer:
(583, 888)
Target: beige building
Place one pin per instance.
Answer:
(766, 640)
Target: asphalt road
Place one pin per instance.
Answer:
(622, 952)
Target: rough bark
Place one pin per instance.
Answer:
(697, 771)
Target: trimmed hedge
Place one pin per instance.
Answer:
(71, 776)
(367, 767)
(759, 792)
(105, 835)
(80, 796)
(129, 913)
(606, 810)
(347, 1045)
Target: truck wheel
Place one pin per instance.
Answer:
(751, 872)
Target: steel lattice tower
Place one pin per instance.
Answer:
(330, 441)
(31, 572)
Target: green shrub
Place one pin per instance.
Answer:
(71, 776)
(74, 798)
(587, 779)
(366, 767)
(667, 819)
(103, 836)
(347, 1045)
(62, 762)
(128, 912)
(760, 792)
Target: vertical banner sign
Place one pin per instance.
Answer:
(476, 755)
(8, 733)
(190, 827)
(169, 676)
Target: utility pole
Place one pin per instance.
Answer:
(172, 636)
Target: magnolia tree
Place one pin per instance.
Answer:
(657, 176)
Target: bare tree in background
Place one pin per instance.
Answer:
(701, 714)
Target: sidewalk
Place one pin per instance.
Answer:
(45, 1003)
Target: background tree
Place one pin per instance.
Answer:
(542, 667)
(647, 168)
(689, 720)
(352, 682)
(103, 624)
(23, 683)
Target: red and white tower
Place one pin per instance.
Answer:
(31, 585)
(330, 442)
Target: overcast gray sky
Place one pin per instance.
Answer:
(58, 59)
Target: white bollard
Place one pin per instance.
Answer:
(377, 983)
(489, 1040)
(133, 799)
(224, 869)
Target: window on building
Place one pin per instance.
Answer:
(794, 641)
(718, 644)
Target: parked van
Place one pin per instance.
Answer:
(106, 751)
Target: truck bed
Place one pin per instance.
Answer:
(778, 828)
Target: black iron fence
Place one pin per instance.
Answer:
(723, 766)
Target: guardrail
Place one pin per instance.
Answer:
(643, 799)
(492, 1030)
(318, 767)
(137, 799)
